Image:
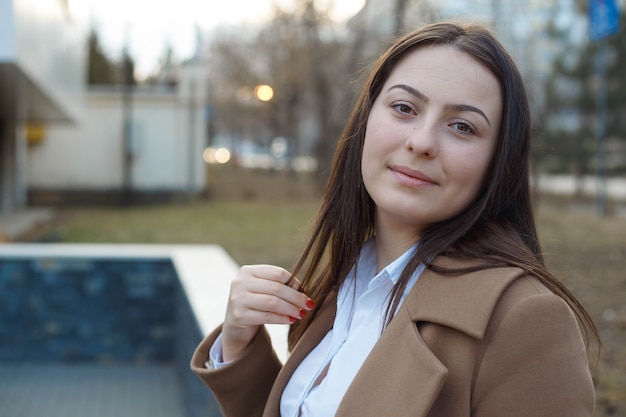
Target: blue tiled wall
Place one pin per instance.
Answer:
(87, 310)
(100, 310)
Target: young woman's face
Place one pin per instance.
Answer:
(431, 135)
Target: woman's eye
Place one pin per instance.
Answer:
(403, 108)
(463, 127)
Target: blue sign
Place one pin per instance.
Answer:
(603, 18)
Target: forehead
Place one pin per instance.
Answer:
(447, 71)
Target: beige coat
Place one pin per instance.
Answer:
(493, 343)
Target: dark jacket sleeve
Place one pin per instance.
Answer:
(535, 364)
(241, 388)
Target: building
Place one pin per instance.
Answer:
(61, 141)
(42, 57)
(128, 146)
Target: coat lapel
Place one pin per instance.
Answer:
(401, 376)
(462, 302)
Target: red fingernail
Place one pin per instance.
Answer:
(302, 314)
(292, 319)
(310, 304)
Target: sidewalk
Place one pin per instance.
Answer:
(17, 223)
(61, 390)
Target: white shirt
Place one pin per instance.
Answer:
(358, 325)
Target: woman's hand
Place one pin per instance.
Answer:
(260, 294)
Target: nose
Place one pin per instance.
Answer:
(422, 140)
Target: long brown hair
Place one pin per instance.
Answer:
(497, 228)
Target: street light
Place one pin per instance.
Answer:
(216, 156)
(264, 92)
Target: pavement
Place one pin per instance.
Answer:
(19, 222)
(94, 390)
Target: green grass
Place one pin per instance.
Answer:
(251, 231)
(264, 218)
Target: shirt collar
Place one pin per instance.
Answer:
(366, 264)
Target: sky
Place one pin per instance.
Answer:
(147, 26)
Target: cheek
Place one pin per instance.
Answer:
(367, 158)
(485, 166)
(471, 170)
(373, 157)
(380, 140)
(371, 145)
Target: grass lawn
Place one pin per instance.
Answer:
(250, 231)
(264, 218)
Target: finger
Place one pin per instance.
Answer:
(293, 282)
(265, 296)
(272, 273)
(272, 296)
(273, 304)
(267, 272)
(259, 318)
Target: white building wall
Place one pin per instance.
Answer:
(165, 155)
(168, 138)
(88, 153)
(50, 47)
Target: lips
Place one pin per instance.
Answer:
(411, 177)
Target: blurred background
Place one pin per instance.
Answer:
(193, 122)
(119, 102)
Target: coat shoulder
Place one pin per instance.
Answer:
(466, 302)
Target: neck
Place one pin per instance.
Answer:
(391, 245)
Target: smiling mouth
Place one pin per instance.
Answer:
(411, 177)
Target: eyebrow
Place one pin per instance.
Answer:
(420, 96)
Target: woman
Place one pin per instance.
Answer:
(422, 291)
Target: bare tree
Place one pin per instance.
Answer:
(303, 55)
